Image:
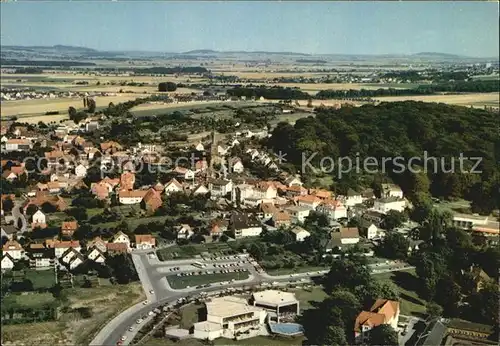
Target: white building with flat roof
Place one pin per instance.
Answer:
(282, 306)
(230, 317)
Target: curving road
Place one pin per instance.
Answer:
(152, 274)
(17, 214)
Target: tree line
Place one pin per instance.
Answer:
(403, 129)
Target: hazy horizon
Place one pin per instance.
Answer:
(351, 28)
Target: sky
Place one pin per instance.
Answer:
(464, 28)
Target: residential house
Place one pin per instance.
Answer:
(127, 181)
(200, 166)
(184, 173)
(173, 186)
(14, 249)
(308, 201)
(68, 228)
(298, 213)
(352, 198)
(293, 181)
(267, 210)
(345, 236)
(391, 190)
(97, 243)
(41, 198)
(368, 229)
(236, 165)
(18, 145)
(121, 237)
(8, 231)
(383, 311)
(72, 258)
(7, 262)
(151, 201)
(81, 171)
(200, 147)
(480, 278)
(61, 246)
(219, 187)
(265, 190)
(144, 241)
(384, 205)
(281, 219)
(131, 197)
(39, 220)
(9, 175)
(218, 227)
(184, 231)
(299, 233)
(374, 216)
(40, 257)
(222, 150)
(159, 187)
(321, 194)
(110, 147)
(295, 191)
(117, 248)
(200, 190)
(244, 225)
(332, 208)
(97, 255)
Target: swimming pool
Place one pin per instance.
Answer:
(286, 328)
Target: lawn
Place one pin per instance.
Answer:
(190, 251)
(262, 340)
(286, 271)
(407, 283)
(179, 282)
(104, 303)
(41, 278)
(31, 300)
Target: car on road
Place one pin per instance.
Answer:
(145, 302)
(139, 321)
(151, 313)
(151, 291)
(123, 338)
(119, 343)
(131, 329)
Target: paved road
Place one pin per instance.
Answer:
(17, 214)
(152, 274)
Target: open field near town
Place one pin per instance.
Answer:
(72, 328)
(34, 110)
(472, 99)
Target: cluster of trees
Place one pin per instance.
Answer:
(460, 86)
(351, 289)
(167, 86)
(443, 268)
(76, 116)
(435, 134)
(274, 93)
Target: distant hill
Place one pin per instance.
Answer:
(440, 55)
(59, 47)
(210, 51)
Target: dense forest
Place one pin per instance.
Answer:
(406, 129)
(471, 86)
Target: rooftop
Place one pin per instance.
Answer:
(274, 297)
(229, 306)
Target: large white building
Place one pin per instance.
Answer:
(298, 213)
(230, 317)
(384, 205)
(282, 306)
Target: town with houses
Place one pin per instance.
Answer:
(177, 196)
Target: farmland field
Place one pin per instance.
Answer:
(104, 302)
(474, 99)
